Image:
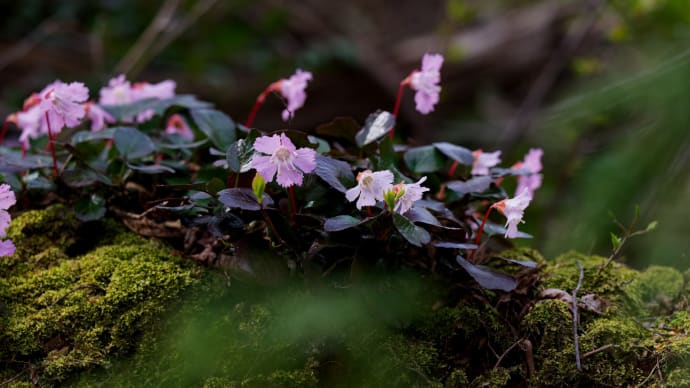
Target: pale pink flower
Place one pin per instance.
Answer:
(284, 160)
(370, 187)
(425, 82)
(484, 160)
(29, 122)
(177, 125)
(98, 116)
(411, 193)
(63, 104)
(162, 90)
(7, 248)
(513, 209)
(293, 91)
(531, 163)
(7, 199)
(118, 92)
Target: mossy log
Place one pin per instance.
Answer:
(93, 304)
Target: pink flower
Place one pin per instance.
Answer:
(177, 125)
(118, 92)
(411, 193)
(284, 160)
(370, 187)
(7, 199)
(425, 82)
(63, 104)
(484, 160)
(29, 122)
(293, 91)
(162, 90)
(7, 248)
(513, 209)
(98, 116)
(531, 163)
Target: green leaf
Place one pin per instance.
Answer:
(412, 233)
(336, 173)
(151, 168)
(90, 208)
(652, 225)
(82, 136)
(258, 187)
(459, 154)
(377, 124)
(474, 185)
(242, 198)
(132, 143)
(424, 159)
(615, 241)
(488, 277)
(81, 177)
(342, 222)
(341, 127)
(217, 126)
(322, 145)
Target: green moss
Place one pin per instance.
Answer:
(64, 314)
(494, 378)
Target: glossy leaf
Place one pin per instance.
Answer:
(376, 126)
(90, 208)
(81, 177)
(459, 154)
(82, 136)
(488, 277)
(239, 155)
(474, 185)
(216, 125)
(336, 173)
(452, 245)
(413, 234)
(524, 263)
(242, 198)
(342, 222)
(420, 214)
(126, 112)
(151, 168)
(132, 143)
(424, 159)
(340, 127)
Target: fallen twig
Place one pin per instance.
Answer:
(576, 318)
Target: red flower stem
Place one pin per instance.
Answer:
(398, 98)
(293, 203)
(480, 231)
(51, 145)
(260, 101)
(4, 131)
(369, 211)
(452, 168)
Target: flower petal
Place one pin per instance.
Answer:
(267, 144)
(264, 167)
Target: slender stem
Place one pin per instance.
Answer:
(260, 101)
(398, 98)
(293, 203)
(452, 168)
(237, 179)
(576, 319)
(51, 145)
(369, 214)
(4, 131)
(480, 231)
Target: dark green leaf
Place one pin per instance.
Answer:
(242, 198)
(377, 124)
(90, 208)
(150, 169)
(336, 173)
(474, 185)
(182, 145)
(82, 136)
(217, 126)
(322, 145)
(340, 127)
(524, 263)
(412, 233)
(424, 159)
(342, 222)
(34, 181)
(459, 154)
(488, 277)
(452, 245)
(420, 214)
(81, 177)
(132, 143)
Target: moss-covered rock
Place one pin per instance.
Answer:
(62, 314)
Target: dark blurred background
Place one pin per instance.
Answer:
(602, 86)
